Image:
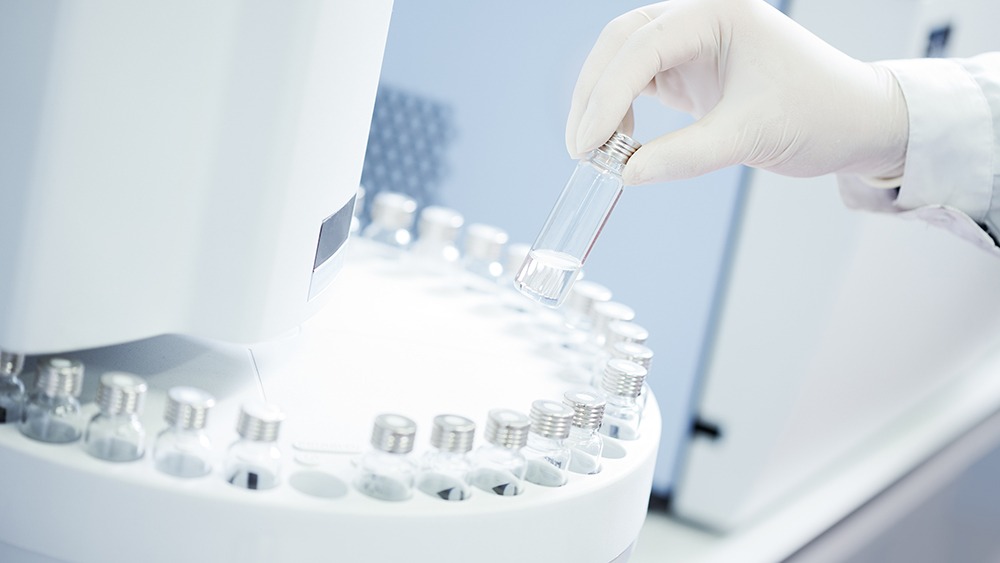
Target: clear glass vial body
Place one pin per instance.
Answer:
(575, 222)
(498, 470)
(183, 452)
(587, 447)
(443, 469)
(183, 449)
(621, 418)
(118, 437)
(387, 471)
(546, 450)
(116, 433)
(499, 466)
(253, 464)
(51, 419)
(52, 412)
(386, 475)
(437, 232)
(254, 460)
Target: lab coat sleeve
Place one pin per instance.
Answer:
(952, 170)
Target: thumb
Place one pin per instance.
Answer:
(702, 147)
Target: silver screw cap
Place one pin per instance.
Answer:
(393, 210)
(121, 393)
(606, 312)
(11, 363)
(551, 419)
(633, 352)
(439, 223)
(393, 433)
(620, 147)
(507, 428)
(453, 433)
(485, 242)
(259, 421)
(59, 377)
(625, 331)
(584, 295)
(588, 408)
(187, 408)
(623, 378)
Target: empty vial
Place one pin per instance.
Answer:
(116, 433)
(392, 216)
(11, 387)
(437, 233)
(620, 387)
(52, 412)
(584, 441)
(580, 304)
(631, 351)
(575, 222)
(254, 461)
(624, 331)
(386, 471)
(499, 466)
(547, 453)
(484, 246)
(183, 449)
(605, 313)
(575, 348)
(443, 470)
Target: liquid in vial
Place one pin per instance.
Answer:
(548, 275)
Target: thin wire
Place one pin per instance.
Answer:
(256, 371)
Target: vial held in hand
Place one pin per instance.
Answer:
(575, 222)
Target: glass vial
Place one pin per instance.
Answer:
(499, 466)
(437, 233)
(631, 351)
(605, 313)
(443, 470)
(575, 222)
(115, 433)
(584, 441)
(52, 412)
(386, 471)
(484, 246)
(620, 387)
(547, 453)
(624, 331)
(183, 449)
(511, 298)
(392, 217)
(254, 461)
(11, 387)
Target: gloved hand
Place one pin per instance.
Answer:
(766, 93)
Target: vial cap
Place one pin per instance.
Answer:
(393, 433)
(551, 419)
(121, 393)
(606, 312)
(625, 331)
(187, 407)
(588, 408)
(633, 352)
(393, 210)
(507, 428)
(440, 223)
(59, 377)
(11, 363)
(517, 253)
(453, 433)
(259, 421)
(584, 295)
(623, 378)
(485, 242)
(620, 147)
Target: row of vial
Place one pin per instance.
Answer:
(592, 328)
(540, 448)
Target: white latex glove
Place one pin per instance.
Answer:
(766, 92)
